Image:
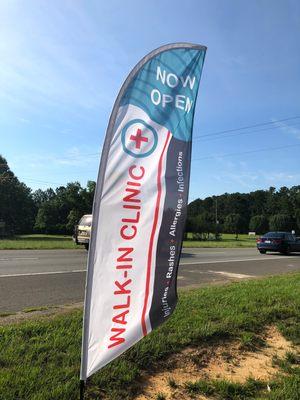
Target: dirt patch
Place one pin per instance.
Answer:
(38, 313)
(223, 361)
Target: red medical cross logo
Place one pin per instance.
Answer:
(138, 138)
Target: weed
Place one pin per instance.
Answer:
(292, 358)
(5, 314)
(250, 341)
(33, 309)
(172, 383)
(225, 389)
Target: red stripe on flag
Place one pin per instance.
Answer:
(150, 249)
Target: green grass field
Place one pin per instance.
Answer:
(39, 360)
(227, 240)
(40, 242)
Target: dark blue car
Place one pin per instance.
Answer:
(284, 242)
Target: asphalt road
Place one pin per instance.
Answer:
(35, 278)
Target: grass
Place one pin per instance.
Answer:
(33, 309)
(226, 390)
(38, 242)
(48, 242)
(227, 241)
(39, 360)
(172, 383)
(160, 396)
(5, 314)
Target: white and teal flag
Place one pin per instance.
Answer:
(140, 204)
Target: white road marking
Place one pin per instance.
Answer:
(19, 258)
(44, 273)
(232, 275)
(186, 251)
(197, 271)
(236, 260)
(185, 263)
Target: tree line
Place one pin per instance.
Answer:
(41, 211)
(57, 211)
(258, 211)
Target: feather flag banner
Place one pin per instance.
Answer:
(140, 204)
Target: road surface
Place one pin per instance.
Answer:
(35, 278)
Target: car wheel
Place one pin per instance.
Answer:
(262, 251)
(86, 246)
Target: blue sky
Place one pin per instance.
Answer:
(63, 62)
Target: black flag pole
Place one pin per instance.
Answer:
(82, 388)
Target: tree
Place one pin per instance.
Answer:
(72, 219)
(190, 226)
(47, 219)
(61, 209)
(298, 220)
(233, 224)
(259, 224)
(41, 196)
(258, 202)
(285, 201)
(17, 208)
(281, 222)
(204, 224)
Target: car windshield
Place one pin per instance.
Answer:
(86, 220)
(274, 235)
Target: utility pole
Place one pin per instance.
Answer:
(216, 215)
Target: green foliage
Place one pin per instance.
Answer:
(287, 388)
(204, 224)
(60, 211)
(48, 211)
(226, 390)
(172, 383)
(281, 222)
(161, 396)
(255, 208)
(233, 224)
(259, 224)
(227, 240)
(17, 209)
(38, 242)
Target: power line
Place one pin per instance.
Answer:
(77, 156)
(245, 152)
(3, 178)
(40, 181)
(196, 137)
(223, 133)
(193, 159)
(72, 157)
(246, 127)
(208, 139)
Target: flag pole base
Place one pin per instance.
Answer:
(82, 389)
